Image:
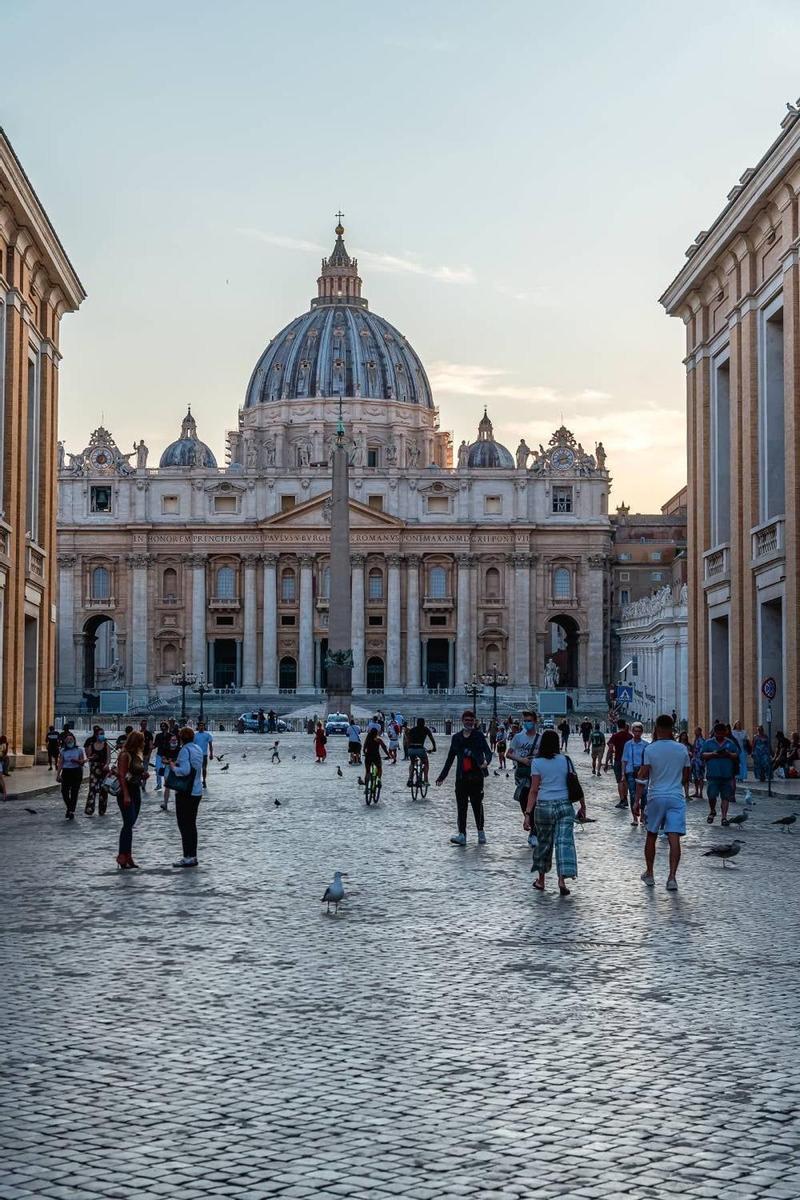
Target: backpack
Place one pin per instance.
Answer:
(597, 739)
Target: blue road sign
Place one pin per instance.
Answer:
(769, 688)
(624, 693)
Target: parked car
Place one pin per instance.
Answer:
(337, 723)
(250, 722)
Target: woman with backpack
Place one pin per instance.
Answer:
(550, 812)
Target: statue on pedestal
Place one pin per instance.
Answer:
(463, 454)
(551, 674)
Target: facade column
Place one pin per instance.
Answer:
(249, 656)
(594, 608)
(140, 633)
(522, 622)
(66, 623)
(198, 646)
(393, 623)
(269, 647)
(412, 622)
(305, 680)
(463, 624)
(357, 619)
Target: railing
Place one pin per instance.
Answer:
(437, 602)
(95, 602)
(716, 564)
(223, 604)
(170, 600)
(768, 541)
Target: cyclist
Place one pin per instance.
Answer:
(373, 744)
(417, 735)
(354, 742)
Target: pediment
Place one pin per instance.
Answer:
(315, 514)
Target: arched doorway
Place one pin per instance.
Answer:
(561, 644)
(375, 674)
(101, 666)
(287, 674)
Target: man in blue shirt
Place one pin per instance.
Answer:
(721, 757)
(202, 738)
(188, 763)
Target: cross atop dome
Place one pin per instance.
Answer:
(339, 281)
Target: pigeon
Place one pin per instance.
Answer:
(334, 893)
(32, 811)
(729, 850)
(360, 782)
(220, 757)
(277, 803)
(339, 772)
(225, 768)
(496, 772)
(294, 756)
(738, 820)
(786, 821)
(244, 754)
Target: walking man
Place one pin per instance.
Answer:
(632, 760)
(202, 738)
(665, 773)
(472, 756)
(598, 744)
(188, 765)
(586, 734)
(721, 757)
(616, 745)
(563, 729)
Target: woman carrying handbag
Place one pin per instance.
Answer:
(554, 790)
(130, 775)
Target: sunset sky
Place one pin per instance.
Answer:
(519, 181)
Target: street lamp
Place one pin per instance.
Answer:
(202, 687)
(183, 681)
(494, 679)
(474, 689)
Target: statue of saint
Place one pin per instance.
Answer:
(413, 454)
(463, 454)
(304, 454)
(600, 455)
(551, 674)
(141, 455)
(270, 451)
(252, 456)
(357, 458)
(391, 454)
(61, 456)
(523, 453)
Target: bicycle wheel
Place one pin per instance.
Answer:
(415, 782)
(423, 788)
(369, 789)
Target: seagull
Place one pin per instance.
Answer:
(496, 772)
(738, 820)
(747, 799)
(225, 768)
(339, 772)
(786, 821)
(729, 850)
(334, 893)
(32, 811)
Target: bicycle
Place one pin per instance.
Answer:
(419, 784)
(372, 785)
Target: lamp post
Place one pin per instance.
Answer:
(183, 681)
(494, 679)
(474, 689)
(202, 687)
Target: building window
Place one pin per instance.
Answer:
(435, 619)
(375, 674)
(437, 580)
(375, 620)
(170, 505)
(287, 674)
(624, 576)
(624, 556)
(375, 503)
(562, 584)
(325, 583)
(101, 584)
(287, 586)
(655, 556)
(287, 503)
(226, 621)
(656, 576)
(32, 464)
(492, 505)
(562, 499)
(772, 437)
(624, 596)
(287, 619)
(226, 583)
(372, 458)
(101, 499)
(375, 584)
(225, 504)
(438, 504)
(493, 584)
(169, 659)
(169, 585)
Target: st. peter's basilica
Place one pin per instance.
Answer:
(500, 560)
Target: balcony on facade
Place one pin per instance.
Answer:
(768, 542)
(224, 604)
(717, 565)
(104, 603)
(437, 602)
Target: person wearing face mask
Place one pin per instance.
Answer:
(70, 773)
(99, 757)
(632, 760)
(472, 755)
(521, 752)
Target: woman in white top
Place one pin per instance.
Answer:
(70, 772)
(553, 815)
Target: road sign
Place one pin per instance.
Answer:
(769, 688)
(624, 693)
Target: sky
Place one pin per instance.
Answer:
(520, 181)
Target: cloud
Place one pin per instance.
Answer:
(406, 264)
(488, 383)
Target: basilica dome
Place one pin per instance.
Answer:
(188, 451)
(486, 452)
(339, 348)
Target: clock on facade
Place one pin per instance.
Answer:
(563, 458)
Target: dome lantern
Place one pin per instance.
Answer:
(339, 281)
(486, 452)
(188, 451)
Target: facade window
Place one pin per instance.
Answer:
(325, 583)
(287, 619)
(721, 452)
(288, 586)
(227, 622)
(438, 504)
(34, 431)
(562, 499)
(624, 576)
(169, 659)
(375, 503)
(437, 619)
(372, 458)
(170, 585)
(624, 556)
(101, 584)
(375, 620)
(375, 584)
(170, 505)
(492, 505)
(655, 556)
(438, 583)
(225, 504)
(772, 443)
(226, 583)
(493, 584)
(287, 674)
(287, 503)
(562, 584)
(656, 576)
(101, 499)
(624, 596)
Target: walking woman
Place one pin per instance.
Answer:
(320, 738)
(70, 773)
(761, 755)
(500, 744)
(98, 756)
(131, 773)
(550, 809)
(4, 765)
(698, 763)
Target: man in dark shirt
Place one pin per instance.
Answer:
(472, 755)
(616, 744)
(417, 734)
(563, 729)
(586, 734)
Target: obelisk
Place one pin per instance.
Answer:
(339, 661)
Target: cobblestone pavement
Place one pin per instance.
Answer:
(451, 1033)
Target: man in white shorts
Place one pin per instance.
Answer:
(665, 773)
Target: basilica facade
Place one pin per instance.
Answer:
(494, 560)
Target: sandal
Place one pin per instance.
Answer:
(563, 891)
(710, 819)
(537, 886)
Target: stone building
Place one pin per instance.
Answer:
(738, 295)
(37, 286)
(653, 637)
(499, 560)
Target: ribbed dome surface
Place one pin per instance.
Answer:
(188, 451)
(339, 350)
(489, 454)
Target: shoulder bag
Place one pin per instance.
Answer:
(574, 788)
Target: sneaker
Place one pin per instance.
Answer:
(185, 862)
(158, 787)
(458, 839)
(647, 878)
(481, 838)
(672, 884)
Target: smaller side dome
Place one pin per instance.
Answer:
(188, 451)
(486, 452)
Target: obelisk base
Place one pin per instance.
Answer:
(339, 690)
